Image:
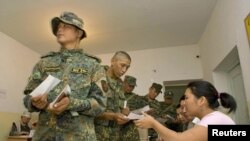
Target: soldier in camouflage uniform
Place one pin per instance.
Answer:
(154, 105)
(108, 124)
(168, 110)
(72, 118)
(129, 131)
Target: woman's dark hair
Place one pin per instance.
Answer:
(206, 89)
(182, 98)
(178, 106)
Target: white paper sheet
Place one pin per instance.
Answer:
(143, 109)
(137, 114)
(133, 116)
(48, 84)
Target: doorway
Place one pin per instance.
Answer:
(228, 78)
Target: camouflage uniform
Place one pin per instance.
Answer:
(167, 109)
(155, 105)
(129, 131)
(170, 110)
(83, 73)
(109, 130)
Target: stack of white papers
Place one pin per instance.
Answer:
(48, 84)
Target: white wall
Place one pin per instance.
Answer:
(225, 30)
(16, 64)
(162, 64)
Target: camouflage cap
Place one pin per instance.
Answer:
(68, 18)
(168, 94)
(130, 80)
(157, 87)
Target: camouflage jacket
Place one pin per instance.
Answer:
(109, 130)
(129, 131)
(133, 101)
(168, 109)
(83, 74)
(153, 104)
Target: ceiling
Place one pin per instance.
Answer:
(111, 25)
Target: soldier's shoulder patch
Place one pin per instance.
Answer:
(104, 84)
(52, 53)
(94, 57)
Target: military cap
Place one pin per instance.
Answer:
(26, 114)
(68, 18)
(157, 87)
(168, 94)
(130, 80)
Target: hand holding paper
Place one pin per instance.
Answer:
(64, 93)
(137, 114)
(48, 84)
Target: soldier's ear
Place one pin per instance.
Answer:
(80, 33)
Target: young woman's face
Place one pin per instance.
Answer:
(191, 103)
(67, 33)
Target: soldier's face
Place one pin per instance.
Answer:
(120, 66)
(168, 100)
(152, 93)
(128, 88)
(67, 34)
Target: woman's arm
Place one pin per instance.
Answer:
(197, 133)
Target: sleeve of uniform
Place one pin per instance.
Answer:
(95, 102)
(33, 82)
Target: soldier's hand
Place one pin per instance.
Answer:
(40, 101)
(151, 111)
(60, 106)
(120, 118)
(125, 111)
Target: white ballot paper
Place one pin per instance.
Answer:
(133, 116)
(48, 84)
(143, 109)
(137, 114)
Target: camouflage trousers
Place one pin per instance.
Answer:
(129, 132)
(107, 133)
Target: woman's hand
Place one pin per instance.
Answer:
(146, 122)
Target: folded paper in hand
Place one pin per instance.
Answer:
(143, 109)
(137, 114)
(48, 84)
(133, 116)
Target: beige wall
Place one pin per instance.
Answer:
(16, 63)
(5, 124)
